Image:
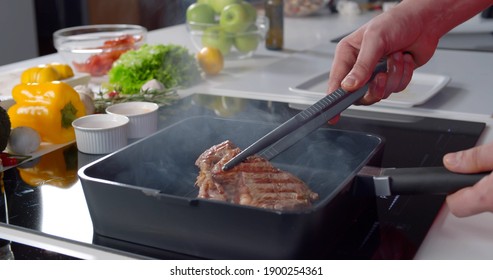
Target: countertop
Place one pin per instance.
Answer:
(308, 52)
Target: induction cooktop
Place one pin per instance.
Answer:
(395, 230)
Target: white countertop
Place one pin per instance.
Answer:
(308, 52)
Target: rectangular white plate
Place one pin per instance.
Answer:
(422, 87)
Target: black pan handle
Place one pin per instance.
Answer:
(428, 180)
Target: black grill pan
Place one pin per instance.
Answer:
(145, 193)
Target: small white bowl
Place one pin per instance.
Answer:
(101, 133)
(143, 117)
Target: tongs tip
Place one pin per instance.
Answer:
(226, 167)
(232, 162)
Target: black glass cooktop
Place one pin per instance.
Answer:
(393, 229)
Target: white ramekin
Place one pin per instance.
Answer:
(101, 133)
(143, 117)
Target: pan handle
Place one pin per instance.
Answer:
(428, 180)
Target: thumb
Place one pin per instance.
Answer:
(357, 77)
(476, 159)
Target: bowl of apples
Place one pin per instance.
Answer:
(232, 26)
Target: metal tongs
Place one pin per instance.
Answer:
(306, 121)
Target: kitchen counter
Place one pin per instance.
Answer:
(308, 52)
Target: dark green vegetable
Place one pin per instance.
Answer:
(172, 65)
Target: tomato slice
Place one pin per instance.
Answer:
(8, 160)
(99, 64)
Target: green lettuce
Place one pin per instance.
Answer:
(172, 65)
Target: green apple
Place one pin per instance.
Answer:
(251, 10)
(216, 37)
(247, 41)
(235, 18)
(219, 5)
(204, 1)
(200, 14)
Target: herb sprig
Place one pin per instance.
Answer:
(160, 97)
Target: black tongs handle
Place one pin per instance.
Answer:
(311, 118)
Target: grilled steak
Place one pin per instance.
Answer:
(253, 182)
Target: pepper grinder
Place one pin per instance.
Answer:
(274, 11)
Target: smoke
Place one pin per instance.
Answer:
(165, 161)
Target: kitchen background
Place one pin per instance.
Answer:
(29, 24)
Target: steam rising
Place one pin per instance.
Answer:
(166, 161)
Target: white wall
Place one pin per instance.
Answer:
(18, 39)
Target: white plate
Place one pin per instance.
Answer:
(421, 88)
(8, 80)
(43, 149)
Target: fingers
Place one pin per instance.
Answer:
(356, 57)
(476, 159)
(407, 73)
(478, 198)
(395, 72)
(335, 119)
(342, 64)
(376, 90)
(401, 67)
(399, 74)
(472, 200)
(370, 50)
(360, 72)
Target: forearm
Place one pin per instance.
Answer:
(441, 16)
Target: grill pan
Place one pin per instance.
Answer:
(145, 193)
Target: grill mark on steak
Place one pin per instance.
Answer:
(254, 182)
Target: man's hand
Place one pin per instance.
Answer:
(477, 198)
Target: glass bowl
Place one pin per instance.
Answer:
(232, 45)
(93, 48)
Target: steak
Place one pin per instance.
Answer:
(254, 182)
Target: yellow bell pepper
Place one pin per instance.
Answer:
(49, 108)
(47, 73)
(57, 168)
